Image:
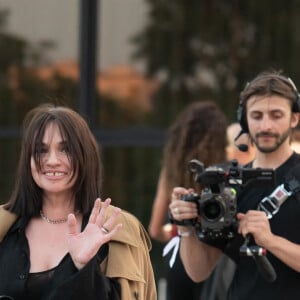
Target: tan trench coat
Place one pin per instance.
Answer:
(128, 259)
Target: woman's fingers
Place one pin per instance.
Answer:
(109, 224)
(101, 214)
(72, 225)
(95, 211)
(98, 217)
(112, 232)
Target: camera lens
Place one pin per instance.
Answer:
(212, 210)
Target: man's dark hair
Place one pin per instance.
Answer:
(267, 84)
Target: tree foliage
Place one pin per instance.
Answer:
(210, 48)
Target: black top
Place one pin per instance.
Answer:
(248, 283)
(66, 282)
(37, 282)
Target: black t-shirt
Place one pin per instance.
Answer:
(248, 283)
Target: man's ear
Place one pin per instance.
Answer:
(295, 119)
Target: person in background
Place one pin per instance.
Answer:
(232, 150)
(64, 242)
(199, 132)
(268, 112)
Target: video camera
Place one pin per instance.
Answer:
(216, 203)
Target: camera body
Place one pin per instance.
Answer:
(217, 212)
(217, 203)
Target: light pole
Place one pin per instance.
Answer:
(88, 105)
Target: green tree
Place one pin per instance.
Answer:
(210, 48)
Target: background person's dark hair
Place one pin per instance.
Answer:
(83, 152)
(198, 132)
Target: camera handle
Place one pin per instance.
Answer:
(246, 250)
(259, 255)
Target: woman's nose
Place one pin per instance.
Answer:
(52, 157)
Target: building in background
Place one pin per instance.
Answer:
(58, 21)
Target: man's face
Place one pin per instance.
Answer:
(270, 120)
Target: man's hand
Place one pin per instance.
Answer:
(257, 224)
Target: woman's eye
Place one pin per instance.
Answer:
(65, 149)
(43, 150)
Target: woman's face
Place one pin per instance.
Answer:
(55, 176)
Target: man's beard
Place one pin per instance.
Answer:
(279, 140)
